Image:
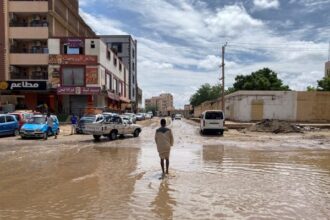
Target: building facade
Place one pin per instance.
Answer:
(163, 104)
(327, 69)
(87, 75)
(26, 27)
(126, 49)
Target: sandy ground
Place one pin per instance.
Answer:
(242, 175)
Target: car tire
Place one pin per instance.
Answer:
(97, 137)
(221, 133)
(22, 137)
(136, 133)
(113, 135)
(16, 132)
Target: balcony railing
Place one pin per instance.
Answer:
(41, 75)
(31, 50)
(35, 23)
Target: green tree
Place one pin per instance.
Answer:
(263, 79)
(205, 93)
(324, 84)
(151, 108)
(310, 88)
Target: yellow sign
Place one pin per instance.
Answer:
(3, 85)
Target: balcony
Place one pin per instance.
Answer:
(24, 23)
(28, 33)
(29, 73)
(28, 6)
(28, 58)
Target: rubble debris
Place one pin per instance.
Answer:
(275, 126)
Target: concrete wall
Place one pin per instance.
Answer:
(282, 105)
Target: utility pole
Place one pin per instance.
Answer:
(223, 78)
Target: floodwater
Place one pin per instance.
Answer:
(210, 177)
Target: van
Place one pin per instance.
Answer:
(212, 121)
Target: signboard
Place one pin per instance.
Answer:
(23, 85)
(78, 90)
(72, 59)
(91, 75)
(55, 75)
(113, 96)
(74, 42)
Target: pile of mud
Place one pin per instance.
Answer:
(275, 126)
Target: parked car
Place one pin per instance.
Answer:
(21, 117)
(178, 116)
(8, 125)
(151, 114)
(140, 117)
(37, 126)
(132, 116)
(148, 116)
(212, 121)
(82, 121)
(112, 127)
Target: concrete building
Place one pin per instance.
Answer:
(281, 105)
(87, 74)
(162, 103)
(26, 27)
(126, 48)
(327, 69)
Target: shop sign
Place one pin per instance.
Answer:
(113, 96)
(72, 90)
(59, 59)
(74, 42)
(23, 85)
(91, 75)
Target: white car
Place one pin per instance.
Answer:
(177, 116)
(111, 127)
(212, 121)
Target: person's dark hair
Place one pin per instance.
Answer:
(48, 114)
(163, 122)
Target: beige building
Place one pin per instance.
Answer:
(26, 27)
(281, 105)
(162, 103)
(327, 69)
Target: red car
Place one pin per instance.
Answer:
(21, 117)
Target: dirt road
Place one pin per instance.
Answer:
(238, 176)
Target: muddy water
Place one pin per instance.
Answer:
(210, 178)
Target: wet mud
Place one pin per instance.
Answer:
(238, 176)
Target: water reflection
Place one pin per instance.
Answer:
(163, 203)
(212, 156)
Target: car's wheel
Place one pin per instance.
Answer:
(45, 135)
(136, 133)
(221, 133)
(97, 137)
(113, 135)
(23, 137)
(201, 132)
(16, 132)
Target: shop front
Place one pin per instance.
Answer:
(27, 95)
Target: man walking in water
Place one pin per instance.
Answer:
(164, 141)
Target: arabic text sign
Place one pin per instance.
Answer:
(24, 85)
(91, 75)
(72, 59)
(78, 90)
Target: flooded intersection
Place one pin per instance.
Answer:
(239, 176)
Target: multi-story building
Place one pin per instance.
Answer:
(26, 27)
(87, 76)
(126, 48)
(327, 69)
(162, 103)
(188, 107)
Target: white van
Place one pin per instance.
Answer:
(212, 121)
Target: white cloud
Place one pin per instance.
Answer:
(186, 52)
(266, 4)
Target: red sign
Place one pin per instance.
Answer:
(78, 90)
(72, 59)
(91, 75)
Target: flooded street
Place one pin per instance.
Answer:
(238, 176)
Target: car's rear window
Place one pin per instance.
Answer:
(213, 115)
(16, 116)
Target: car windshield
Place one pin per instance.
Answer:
(37, 120)
(87, 120)
(213, 115)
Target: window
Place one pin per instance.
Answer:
(2, 119)
(115, 85)
(115, 61)
(120, 88)
(117, 47)
(120, 67)
(133, 53)
(110, 82)
(108, 55)
(10, 119)
(133, 66)
(72, 50)
(213, 115)
(73, 76)
(92, 44)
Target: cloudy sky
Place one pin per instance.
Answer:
(179, 41)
